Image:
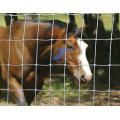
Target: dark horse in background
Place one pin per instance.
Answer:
(18, 55)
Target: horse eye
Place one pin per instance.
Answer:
(71, 47)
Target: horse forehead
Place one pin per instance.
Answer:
(82, 45)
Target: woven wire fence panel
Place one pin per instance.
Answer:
(44, 47)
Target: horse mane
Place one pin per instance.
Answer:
(56, 22)
(60, 24)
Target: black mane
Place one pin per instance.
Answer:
(62, 25)
(56, 23)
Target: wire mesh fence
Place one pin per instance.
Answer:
(27, 49)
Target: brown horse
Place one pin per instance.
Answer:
(26, 47)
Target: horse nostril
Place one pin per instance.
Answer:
(83, 80)
(82, 76)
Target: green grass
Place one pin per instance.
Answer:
(107, 19)
(2, 21)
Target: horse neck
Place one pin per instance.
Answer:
(2, 29)
(44, 42)
(56, 33)
(52, 33)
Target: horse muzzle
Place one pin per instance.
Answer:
(84, 79)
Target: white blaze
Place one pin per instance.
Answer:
(82, 57)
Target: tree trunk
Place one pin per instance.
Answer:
(116, 32)
(91, 21)
(8, 18)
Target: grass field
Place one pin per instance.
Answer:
(107, 19)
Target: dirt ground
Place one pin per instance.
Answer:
(101, 99)
(71, 98)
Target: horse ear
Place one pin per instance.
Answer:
(72, 24)
(84, 29)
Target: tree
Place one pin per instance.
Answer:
(91, 21)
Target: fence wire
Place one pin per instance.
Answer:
(50, 65)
